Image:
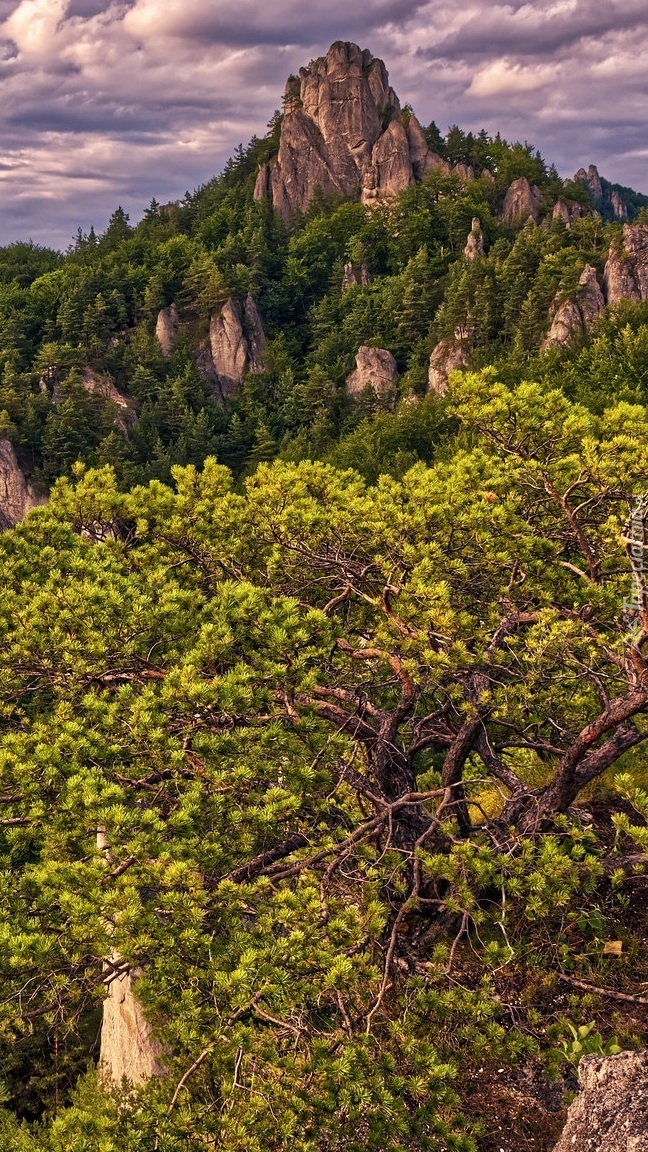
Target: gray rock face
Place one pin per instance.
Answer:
(128, 1049)
(375, 367)
(592, 182)
(475, 242)
(574, 317)
(610, 1112)
(17, 497)
(448, 355)
(166, 329)
(423, 159)
(626, 270)
(96, 385)
(355, 275)
(618, 207)
(521, 202)
(236, 345)
(343, 132)
(567, 210)
(466, 171)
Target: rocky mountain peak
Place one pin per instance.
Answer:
(592, 182)
(343, 132)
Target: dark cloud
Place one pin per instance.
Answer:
(116, 101)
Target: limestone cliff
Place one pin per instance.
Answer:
(521, 202)
(343, 133)
(235, 346)
(475, 242)
(375, 368)
(626, 270)
(448, 355)
(166, 328)
(591, 180)
(567, 210)
(571, 318)
(17, 496)
(100, 385)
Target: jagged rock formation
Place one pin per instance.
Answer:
(475, 242)
(572, 318)
(236, 345)
(521, 202)
(95, 385)
(17, 497)
(343, 132)
(466, 171)
(604, 197)
(626, 270)
(618, 207)
(592, 182)
(610, 1112)
(128, 1049)
(567, 210)
(166, 329)
(375, 368)
(355, 275)
(448, 355)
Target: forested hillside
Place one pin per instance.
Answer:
(323, 673)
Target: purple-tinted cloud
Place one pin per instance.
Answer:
(116, 101)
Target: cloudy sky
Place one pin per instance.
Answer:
(105, 103)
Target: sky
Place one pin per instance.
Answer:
(114, 102)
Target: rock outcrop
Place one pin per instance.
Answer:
(521, 202)
(17, 497)
(592, 182)
(166, 329)
(102, 386)
(610, 1112)
(626, 271)
(567, 210)
(343, 133)
(236, 345)
(448, 355)
(572, 318)
(354, 274)
(475, 242)
(375, 368)
(128, 1048)
(618, 207)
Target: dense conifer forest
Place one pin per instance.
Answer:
(323, 716)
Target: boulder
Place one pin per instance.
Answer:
(128, 1048)
(343, 133)
(521, 203)
(475, 242)
(166, 328)
(448, 355)
(610, 1112)
(17, 497)
(375, 368)
(572, 318)
(626, 271)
